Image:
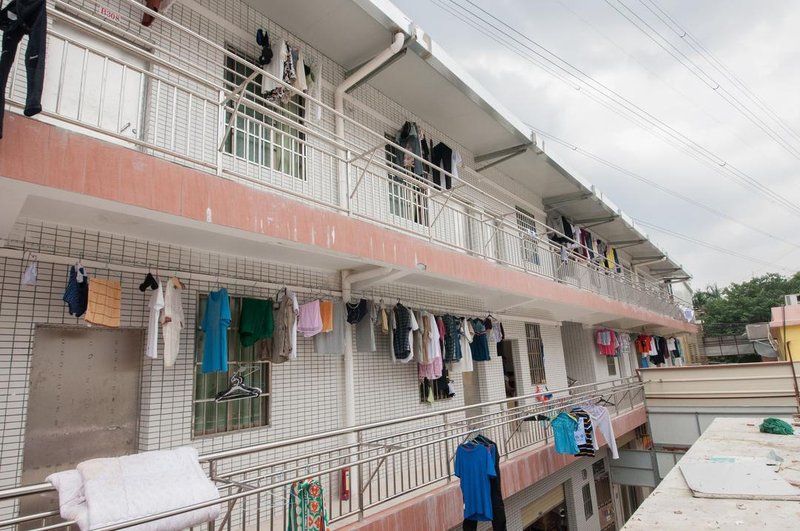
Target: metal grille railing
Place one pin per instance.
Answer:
(158, 91)
(385, 460)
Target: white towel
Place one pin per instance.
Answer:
(115, 490)
(71, 501)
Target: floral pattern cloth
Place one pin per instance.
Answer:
(306, 507)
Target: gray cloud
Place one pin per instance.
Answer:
(757, 40)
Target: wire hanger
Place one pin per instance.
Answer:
(278, 294)
(238, 390)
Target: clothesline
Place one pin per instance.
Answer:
(68, 260)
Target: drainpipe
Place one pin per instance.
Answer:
(349, 374)
(338, 99)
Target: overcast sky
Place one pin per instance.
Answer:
(757, 40)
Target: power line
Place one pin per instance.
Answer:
(651, 72)
(649, 31)
(719, 66)
(658, 186)
(712, 246)
(667, 231)
(623, 106)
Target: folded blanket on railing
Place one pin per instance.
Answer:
(103, 492)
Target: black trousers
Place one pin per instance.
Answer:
(498, 522)
(17, 19)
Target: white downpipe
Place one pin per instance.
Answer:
(350, 394)
(338, 100)
(349, 373)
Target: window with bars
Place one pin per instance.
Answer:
(533, 334)
(434, 390)
(258, 138)
(407, 199)
(530, 246)
(212, 417)
(588, 508)
(611, 363)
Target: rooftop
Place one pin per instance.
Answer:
(727, 441)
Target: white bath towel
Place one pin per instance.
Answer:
(121, 489)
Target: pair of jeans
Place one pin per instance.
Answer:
(17, 19)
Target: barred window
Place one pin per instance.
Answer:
(611, 362)
(588, 508)
(212, 417)
(258, 138)
(530, 246)
(533, 333)
(408, 200)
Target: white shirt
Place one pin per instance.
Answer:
(455, 160)
(434, 347)
(601, 420)
(293, 333)
(466, 350)
(172, 321)
(300, 82)
(414, 326)
(156, 304)
(275, 66)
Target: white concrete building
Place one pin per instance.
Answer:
(157, 151)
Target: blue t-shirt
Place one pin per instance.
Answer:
(564, 427)
(215, 324)
(474, 467)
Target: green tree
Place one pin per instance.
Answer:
(727, 310)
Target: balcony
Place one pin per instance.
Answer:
(387, 462)
(107, 78)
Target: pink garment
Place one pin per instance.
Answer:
(607, 342)
(433, 370)
(309, 322)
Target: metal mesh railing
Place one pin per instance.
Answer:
(382, 461)
(160, 92)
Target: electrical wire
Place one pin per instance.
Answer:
(649, 31)
(591, 25)
(718, 65)
(711, 246)
(559, 68)
(658, 186)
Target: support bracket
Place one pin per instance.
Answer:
(514, 152)
(556, 200)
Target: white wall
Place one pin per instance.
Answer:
(306, 393)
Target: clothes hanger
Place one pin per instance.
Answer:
(149, 281)
(237, 389)
(278, 294)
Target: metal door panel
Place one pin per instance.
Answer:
(83, 400)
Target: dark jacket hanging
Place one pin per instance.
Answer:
(442, 156)
(17, 19)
